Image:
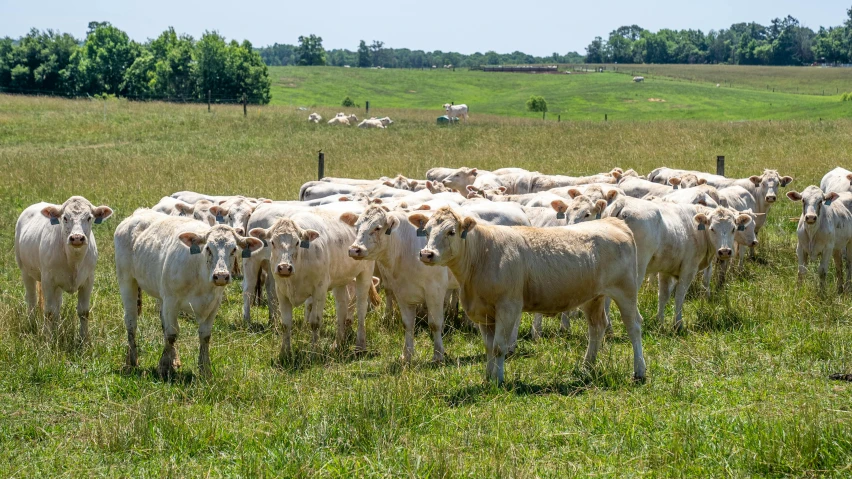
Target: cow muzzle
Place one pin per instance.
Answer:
(810, 219)
(77, 240)
(724, 253)
(770, 198)
(754, 243)
(357, 252)
(284, 270)
(427, 256)
(240, 231)
(221, 278)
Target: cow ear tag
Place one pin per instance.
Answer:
(674, 187)
(265, 244)
(598, 216)
(388, 231)
(220, 218)
(701, 227)
(741, 228)
(464, 234)
(99, 220)
(246, 253)
(54, 221)
(560, 215)
(827, 202)
(421, 231)
(305, 244)
(194, 249)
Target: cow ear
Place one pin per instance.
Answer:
(349, 218)
(702, 181)
(674, 181)
(559, 205)
(423, 207)
(392, 224)
(344, 198)
(467, 224)
(617, 174)
(794, 196)
(574, 192)
(265, 200)
(418, 219)
(501, 189)
(786, 180)
(429, 185)
(413, 184)
(222, 202)
(743, 219)
(184, 208)
(218, 211)
(388, 183)
(831, 196)
(310, 235)
(849, 177)
(611, 195)
(101, 213)
(755, 180)
(601, 205)
(702, 220)
(472, 189)
(473, 171)
(51, 212)
(251, 244)
(190, 239)
(259, 233)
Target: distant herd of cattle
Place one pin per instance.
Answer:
(502, 242)
(453, 112)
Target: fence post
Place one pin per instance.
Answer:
(606, 117)
(208, 101)
(558, 118)
(368, 107)
(245, 109)
(321, 166)
(543, 115)
(720, 165)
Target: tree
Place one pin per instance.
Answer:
(595, 51)
(377, 52)
(99, 66)
(39, 61)
(537, 103)
(310, 51)
(363, 55)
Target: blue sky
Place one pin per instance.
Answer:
(532, 26)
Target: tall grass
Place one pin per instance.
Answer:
(743, 392)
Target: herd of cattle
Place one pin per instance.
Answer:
(502, 242)
(350, 120)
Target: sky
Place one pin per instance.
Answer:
(531, 26)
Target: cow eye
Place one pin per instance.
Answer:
(587, 215)
(378, 228)
(65, 219)
(712, 229)
(452, 232)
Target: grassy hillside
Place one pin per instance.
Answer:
(742, 392)
(575, 97)
(800, 80)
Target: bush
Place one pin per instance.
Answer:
(536, 103)
(846, 97)
(347, 102)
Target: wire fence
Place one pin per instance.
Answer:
(164, 98)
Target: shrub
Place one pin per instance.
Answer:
(536, 103)
(347, 102)
(846, 97)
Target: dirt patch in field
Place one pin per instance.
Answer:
(412, 91)
(656, 100)
(629, 101)
(287, 83)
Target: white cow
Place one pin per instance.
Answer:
(455, 111)
(838, 180)
(309, 254)
(56, 251)
(202, 210)
(505, 271)
(314, 118)
(388, 238)
(371, 123)
(342, 119)
(185, 265)
(825, 229)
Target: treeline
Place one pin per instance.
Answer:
(377, 55)
(784, 42)
(107, 62)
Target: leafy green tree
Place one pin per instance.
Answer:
(99, 65)
(537, 103)
(595, 52)
(38, 62)
(363, 55)
(310, 51)
(377, 53)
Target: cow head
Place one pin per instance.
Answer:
(219, 245)
(401, 183)
(237, 212)
(205, 212)
(746, 234)
(435, 187)
(288, 241)
(446, 230)
(372, 230)
(813, 202)
(461, 178)
(766, 185)
(719, 225)
(581, 209)
(75, 218)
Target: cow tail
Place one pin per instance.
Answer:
(138, 300)
(375, 299)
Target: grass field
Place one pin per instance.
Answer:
(742, 392)
(801, 80)
(574, 97)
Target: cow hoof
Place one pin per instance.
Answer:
(639, 379)
(176, 363)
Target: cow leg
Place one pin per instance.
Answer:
(513, 338)
(363, 283)
(838, 269)
(52, 304)
(565, 323)
(487, 331)
(171, 329)
(271, 294)
(341, 309)
(31, 295)
(681, 288)
(632, 319)
(129, 298)
(536, 326)
(250, 278)
(848, 283)
(285, 309)
(389, 300)
(205, 330)
(176, 363)
(824, 259)
(319, 298)
(663, 294)
(802, 256)
(594, 311)
(435, 307)
(508, 316)
(407, 312)
(607, 304)
(84, 297)
(708, 276)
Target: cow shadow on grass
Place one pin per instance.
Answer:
(303, 359)
(179, 376)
